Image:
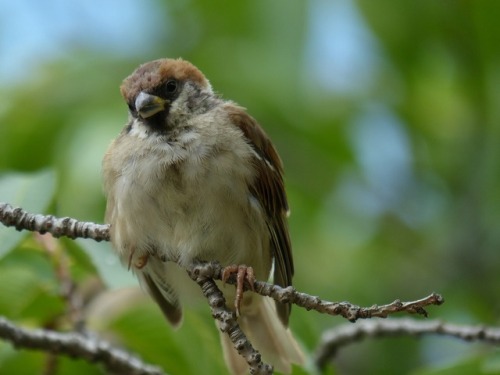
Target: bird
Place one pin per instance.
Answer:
(193, 177)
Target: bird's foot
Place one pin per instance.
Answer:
(243, 273)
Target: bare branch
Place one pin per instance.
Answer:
(347, 310)
(58, 227)
(339, 337)
(228, 324)
(205, 274)
(76, 345)
(72, 228)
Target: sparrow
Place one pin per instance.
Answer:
(193, 177)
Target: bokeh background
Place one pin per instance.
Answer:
(386, 114)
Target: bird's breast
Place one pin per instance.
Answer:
(187, 203)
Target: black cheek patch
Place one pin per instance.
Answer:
(158, 122)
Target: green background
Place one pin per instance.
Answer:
(386, 114)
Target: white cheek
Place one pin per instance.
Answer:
(139, 130)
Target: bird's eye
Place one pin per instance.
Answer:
(171, 86)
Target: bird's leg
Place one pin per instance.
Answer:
(139, 262)
(243, 273)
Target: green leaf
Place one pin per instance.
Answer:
(76, 366)
(20, 362)
(491, 364)
(32, 362)
(33, 192)
(28, 287)
(142, 327)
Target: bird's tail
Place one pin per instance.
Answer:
(268, 335)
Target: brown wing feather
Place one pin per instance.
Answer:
(170, 307)
(269, 189)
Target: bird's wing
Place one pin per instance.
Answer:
(269, 189)
(163, 295)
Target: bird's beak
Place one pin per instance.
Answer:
(148, 105)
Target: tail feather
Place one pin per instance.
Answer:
(269, 336)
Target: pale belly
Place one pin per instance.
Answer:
(181, 221)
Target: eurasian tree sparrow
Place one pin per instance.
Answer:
(194, 177)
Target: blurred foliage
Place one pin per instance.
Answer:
(393, 180)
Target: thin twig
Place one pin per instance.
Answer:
(76, 345)
(58, 227)
(205, 274)
(72, 228)
(68, 288)
(338, 337)
(228, 324)
(345, 309)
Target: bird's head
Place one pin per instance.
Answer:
(162, 93)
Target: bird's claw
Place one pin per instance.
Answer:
(243, 273)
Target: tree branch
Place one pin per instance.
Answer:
(228, 324)
(205, 274)
(76, 345)
(58, 227)
(347, 310)
(338, 337)
(72, 228)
